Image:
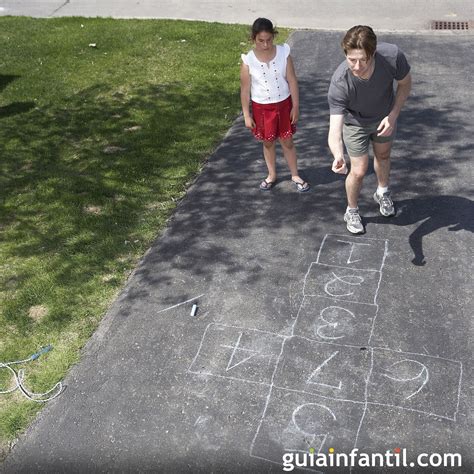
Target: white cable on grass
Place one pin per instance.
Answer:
(20, 375)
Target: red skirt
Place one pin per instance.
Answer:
(273, 121)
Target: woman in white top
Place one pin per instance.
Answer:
(268, 81)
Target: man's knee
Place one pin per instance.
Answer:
(358, 172)
(359, 167)
(382, 155)
(385, 156)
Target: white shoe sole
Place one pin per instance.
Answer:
(352, 230)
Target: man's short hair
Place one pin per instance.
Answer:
(360, 37)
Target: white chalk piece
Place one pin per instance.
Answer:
(194, 310)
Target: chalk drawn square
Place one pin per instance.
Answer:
(237, 353)
(388, 427)
(353, 252)
(415, 381)
(331, 370)
(345, 284)
(331, 320)
(295, 422)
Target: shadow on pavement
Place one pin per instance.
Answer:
(434, 213)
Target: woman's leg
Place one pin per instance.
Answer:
(289, 152)
(269, 153)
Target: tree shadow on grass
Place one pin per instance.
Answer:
(15, 107)
(80, 178)
(5, 79)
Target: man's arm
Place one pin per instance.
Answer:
(403, 91)
(336, 123)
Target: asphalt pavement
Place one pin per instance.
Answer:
(305, 337)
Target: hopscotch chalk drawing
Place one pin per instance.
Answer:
(323, 376)
(237, 353)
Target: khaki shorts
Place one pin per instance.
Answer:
(357, 138)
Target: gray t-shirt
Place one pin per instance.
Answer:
(368, 101)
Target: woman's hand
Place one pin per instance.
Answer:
(294, 115)
(249, 122)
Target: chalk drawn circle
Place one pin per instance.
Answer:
(313, 419)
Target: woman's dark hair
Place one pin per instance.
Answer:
(360, 37)
(260, 25)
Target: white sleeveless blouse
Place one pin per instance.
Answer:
(268, 81)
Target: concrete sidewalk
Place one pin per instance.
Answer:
(399, 15)
(305, 337)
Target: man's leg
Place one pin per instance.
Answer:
(382, 170)
(356, 140)
(382, 162)
(355, 178)
(353, 186)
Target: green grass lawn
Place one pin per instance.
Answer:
(96, 146)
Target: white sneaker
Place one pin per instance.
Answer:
(387, 208)
(354, 221)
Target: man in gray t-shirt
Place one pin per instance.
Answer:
(364, 108)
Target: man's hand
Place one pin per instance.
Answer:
(339, 166)
(249, 122)
(386, 127)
